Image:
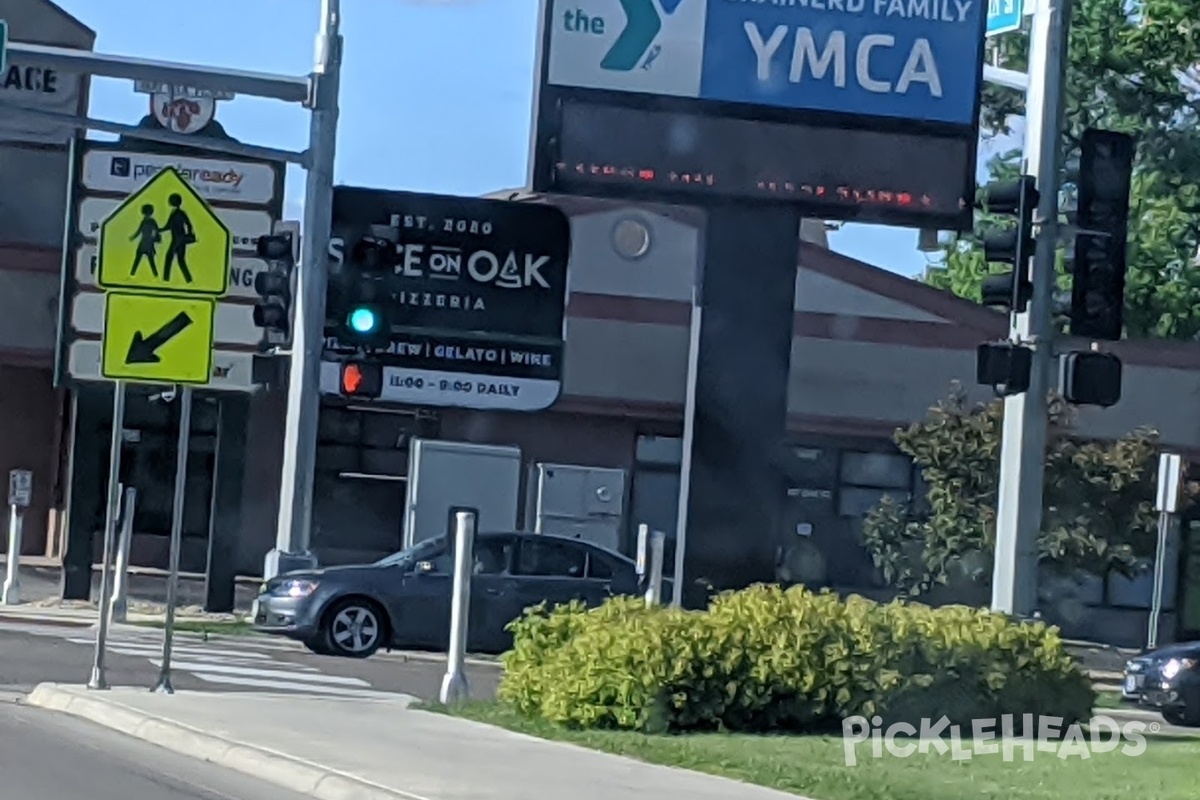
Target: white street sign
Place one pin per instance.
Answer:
(1170, 477)
(231, 371)
(20, 488)
(125, 171)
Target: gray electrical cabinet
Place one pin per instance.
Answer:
(577, 501)
(442, 475)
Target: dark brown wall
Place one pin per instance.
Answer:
(29, 415)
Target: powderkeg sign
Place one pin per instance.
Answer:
(478, 293)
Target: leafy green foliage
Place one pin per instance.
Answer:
(1098, 504)
(765, 658)
(1124, 75)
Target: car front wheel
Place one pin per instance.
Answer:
(317, 646)
(353, 628)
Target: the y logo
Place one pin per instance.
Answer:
(642, 25)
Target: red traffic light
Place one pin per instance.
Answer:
(361, 379)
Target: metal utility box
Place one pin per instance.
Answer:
(442, 475)
(582, 502)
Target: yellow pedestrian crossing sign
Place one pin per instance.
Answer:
(164, 238)
(157, 338)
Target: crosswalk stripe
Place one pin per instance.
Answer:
(237, 664)
(149, 649)
(230, 659)
(292, 686)
(200, 652)
(307, 678)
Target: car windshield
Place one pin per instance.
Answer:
(420, 551)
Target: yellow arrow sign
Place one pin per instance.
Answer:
(157, 338)
(164, 238)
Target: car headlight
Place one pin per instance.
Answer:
(1177, 665)
(296, 588)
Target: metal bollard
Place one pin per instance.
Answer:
(454, 683)
(119, 607)
(643, 546)
(12, 578)
(655, 581)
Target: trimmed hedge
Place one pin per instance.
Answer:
(768, 659)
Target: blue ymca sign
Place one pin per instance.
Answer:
(904, 59)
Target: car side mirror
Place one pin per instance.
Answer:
(424, 567)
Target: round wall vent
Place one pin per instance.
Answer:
(631, 238)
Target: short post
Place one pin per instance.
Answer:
(119, 608)
(12, 579)
(20, 495)
(454, 683)
(181, 460)
(643, 545)
(1166, 503)
(654, 584)
(99, 678)
(1160, 574)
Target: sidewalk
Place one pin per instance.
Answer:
(334, 749)
(40, 585)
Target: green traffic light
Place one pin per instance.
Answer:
(363, 320)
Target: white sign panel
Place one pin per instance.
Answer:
(231, 371)
(241, 272)
(178, 90)
(43, 89)
(245, 227)
(462, 390)
(20, 487)
(1170, 476)
(234, 323)
(122, 172)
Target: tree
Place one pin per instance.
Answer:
(1098, 510)
(1131, 70)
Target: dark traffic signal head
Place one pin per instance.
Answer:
(276, 247)
(1090, 379)
(273, 311)
(1015, 247)
(1004, 366)
(362, 379)
(1098, 272)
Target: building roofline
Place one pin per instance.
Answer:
(812, 257)
(74, 20)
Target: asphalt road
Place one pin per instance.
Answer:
(49, 755)
(31, 654)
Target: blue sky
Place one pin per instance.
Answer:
(435, 93)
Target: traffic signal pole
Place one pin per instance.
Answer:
(292, 536)
(1023, 446)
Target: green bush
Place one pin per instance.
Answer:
(768, 659)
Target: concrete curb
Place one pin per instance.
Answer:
(417, 655)
(30, 619)
(288, 772)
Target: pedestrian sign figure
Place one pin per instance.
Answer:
(183, 235)
(147, 236)
(164, 218)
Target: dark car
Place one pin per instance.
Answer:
(403, 601)
(1167, 679)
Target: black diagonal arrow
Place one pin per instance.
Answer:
(144, 349)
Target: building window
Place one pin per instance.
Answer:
(865, 479)
(883, 470)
